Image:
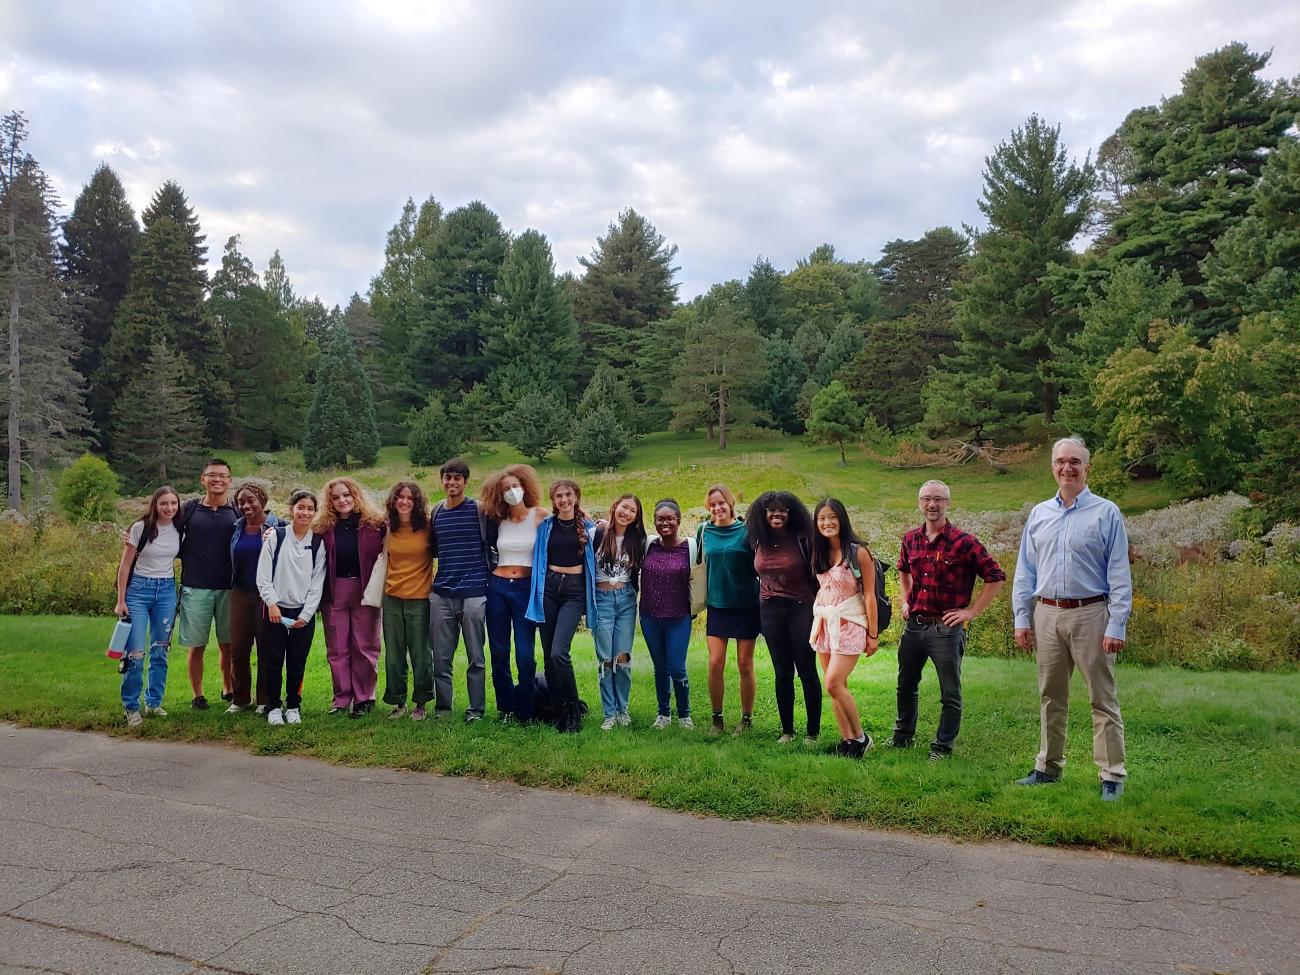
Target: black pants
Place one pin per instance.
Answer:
(564, 600)
(285, 649)
(786, 625)
(944, 645)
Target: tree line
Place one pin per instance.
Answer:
(1170, 341)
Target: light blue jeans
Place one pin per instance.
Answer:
(151, 604)
(614, 629)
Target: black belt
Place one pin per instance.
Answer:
(925, 620)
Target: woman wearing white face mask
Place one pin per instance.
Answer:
(510, 501)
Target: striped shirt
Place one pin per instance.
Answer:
(462, 570)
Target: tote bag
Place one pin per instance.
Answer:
(699, 573)
(374, 591)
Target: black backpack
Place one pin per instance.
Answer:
(280, 532)
(884, 609)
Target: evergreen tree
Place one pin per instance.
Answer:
(1036, 203)
(1273, 470)
(158, 429)
(777, 393)
(98, 241)
(599, 441)
(532, 339)
(969, 403)
(538, 424)
(844, 343)
(834, 417)
(888, 373)
(43, 394)
(766, 299)
(276, 284)
(610, 390)
(628, 285)
(341, 423)
(432, 438)
(1193, 163)
(918, 275)
(716, 373)
(457, 291)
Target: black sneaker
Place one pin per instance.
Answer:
(228, 696)
(897, 742)
(1038, 778)
(200, 703)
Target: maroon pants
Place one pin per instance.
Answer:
(352, 643)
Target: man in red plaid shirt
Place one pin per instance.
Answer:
(937, 566)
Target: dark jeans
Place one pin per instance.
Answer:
(668, 640)
(944, 645)
(786, 626)
(564, 600)
(286, 650)
(507, 604)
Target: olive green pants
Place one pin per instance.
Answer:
(406, 638)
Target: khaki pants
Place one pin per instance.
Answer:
(1065, 639)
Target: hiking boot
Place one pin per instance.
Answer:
(1111, 791)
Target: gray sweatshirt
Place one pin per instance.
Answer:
(299, 581)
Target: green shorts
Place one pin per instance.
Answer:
(200, 608)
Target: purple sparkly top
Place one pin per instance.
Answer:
(666, 582)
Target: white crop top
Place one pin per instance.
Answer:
(515, 540)
(618, 570)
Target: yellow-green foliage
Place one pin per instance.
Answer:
(53, 567)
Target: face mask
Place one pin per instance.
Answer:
(514, 495)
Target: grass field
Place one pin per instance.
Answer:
(1214, 758)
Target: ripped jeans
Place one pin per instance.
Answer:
(151, 604)
(614, 629)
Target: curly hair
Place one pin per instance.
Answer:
(798, 522)
(325, 516)
(419, 509)
(492, 496)
(633, 538)
(578, 513)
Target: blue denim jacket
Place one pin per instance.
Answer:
(536, 612)
(271, 522)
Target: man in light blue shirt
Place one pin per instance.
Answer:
(1072, 596)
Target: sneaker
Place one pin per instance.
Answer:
(228, 696)
(274, 717)
(397, 712)
(785, 739)
(624, 718)
(158, 712)
(662, 722)
(686, 723)
(1038, 778)
(260, 710)
(938, 756)
(472, 717)
(745, 727)
(417, 713)
(235, 709)
(336, 709)
(133, 719)
(1111, 791)
(292, 716)
(810, 741)
(440, 713)
(896, 742)
(200, 703)
(609, 723)
(716, 727)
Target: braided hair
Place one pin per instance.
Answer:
(579, 515)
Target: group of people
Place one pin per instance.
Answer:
(413, 582)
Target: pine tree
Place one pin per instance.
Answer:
(917, 275)
(777, 393)
(888, 373)
(98, 241)
(532, 340)
(432, 438)
(1036, 203)
(611, 391)
(834, 417)
(158, 429)
(341, 424)
(766, 298)
(970, 403)
(538, 424)
(277, 285)
(844, 343)
(599, 441)
(44, 395)
(718, 368)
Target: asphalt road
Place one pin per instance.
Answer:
(152, 859)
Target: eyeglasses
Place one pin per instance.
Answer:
(930, 500)
(1067, 462)
(212, 476)
(778, 511)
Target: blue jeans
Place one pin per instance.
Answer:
(668, 640)
(614, 630)
(507, 602)
(151, 604)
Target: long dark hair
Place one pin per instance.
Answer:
(419, 509)
(149, 532)
(821, 547)
(633, 538)
(579, 515)
(798, 522)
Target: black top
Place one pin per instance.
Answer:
(563, 548)
(205, 547)
(347, 558)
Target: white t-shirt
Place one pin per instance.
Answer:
(156, 557)
(619, 570)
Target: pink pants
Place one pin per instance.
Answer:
(351, 643)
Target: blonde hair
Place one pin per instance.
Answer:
(727, 495)
(326, 518)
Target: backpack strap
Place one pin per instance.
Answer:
(698, 556)
(136, 558)
(805, 549)
(279, 544)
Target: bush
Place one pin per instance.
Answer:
(432, 437)
(58, 568)
(600, 440)
(87, 490)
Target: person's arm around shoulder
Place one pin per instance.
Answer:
(266, 584)
(1023, 586)
(867, 566)
(1119, 576)
(315, 588)
(124, 568)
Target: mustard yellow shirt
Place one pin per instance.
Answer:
(410, 569)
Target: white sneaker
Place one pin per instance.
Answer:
(624, 718)
(608, 724)
(661, 722)
(133, 719)
(273, 716)
(235, 709)
(785, 739)
(292, 716)
(686, 723)
(157, 712)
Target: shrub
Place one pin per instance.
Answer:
(58, 568)
(87, 490)
(599, 440)
(1203, 529)
(432, 437)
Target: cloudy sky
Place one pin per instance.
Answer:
(738, 128)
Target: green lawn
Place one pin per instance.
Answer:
(1213, 757)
